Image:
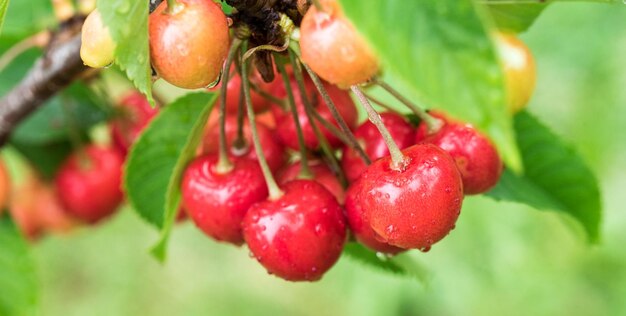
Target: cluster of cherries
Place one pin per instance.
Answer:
(299, 174)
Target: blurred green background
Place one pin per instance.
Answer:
(501, 259)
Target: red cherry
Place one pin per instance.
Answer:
(361, 228)
(274, 152)
(217, 202)
(286, 126)
(88, 183)
(299, 236)
(321, 174)
(414, 207)
(259, 103)
(475, 155)
(333, 48)
(189, 45)
(136, 113)
(374, 144)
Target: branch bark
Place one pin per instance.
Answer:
(50, 74)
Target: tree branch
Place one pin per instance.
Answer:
(50, 74)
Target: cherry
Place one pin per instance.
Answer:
(217, 202)
(135, 114)
(299, 236)
(286, 126)
(475, 155)
(188, 42)
(519, 69)
(259, 102)
(97, 48)
(5, 186)
(374, 144)
(88, 183)
(361, 228)
(320, 173)
(413, 207)
(274, 152)
(333, 48)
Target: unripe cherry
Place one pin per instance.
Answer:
(97, 48)
(519, 70)
(189, 43)
(333, 48)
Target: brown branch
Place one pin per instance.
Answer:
(50, 74)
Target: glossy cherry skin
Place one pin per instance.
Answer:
(88, 183)
(475, 155)
(519, 69)
(286, 125)
(217, 202)
(273, 150)
(373, 143)
(416, 206)
(135, 114)
(361, 228)
(299, 236)
(333, 48)
(188, 46)
(320, 174)
(259, 103)
(97, 48)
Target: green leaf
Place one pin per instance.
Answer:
(127, 21)
(401, 264)
(18, 282)
(442, 54)
(4, 5)
(27, 17)
(156, 161)
(555, 177)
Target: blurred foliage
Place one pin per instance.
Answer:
(501, 259)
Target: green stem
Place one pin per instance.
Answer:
(308, 110)
(335, 113)
(278, 101)
(329, 126)
(240, 141)
(224, 165)
(305, 171)
(380, 103)
(432, 123)
(173, 7)
(274, 191)
(398, 160)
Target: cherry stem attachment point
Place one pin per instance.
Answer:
(224, 165)
(335, 113)
(398, 160)
(274, 191)
(173, 7)
(433, 124)
(305, 171)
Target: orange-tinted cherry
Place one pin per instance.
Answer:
(333, 48)
(216, 201)
(273, 150)
(298, 236)
(416, 206)
(188, 43)
(135, 114)
(475, 155)
(319, 172)
(374, 144)
(88, 183)
(286, 126)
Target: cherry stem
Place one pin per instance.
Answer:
(380, 103)
(352, 141)
(398, 160)
(240, 141)
(329, 126)
(224, 165)
(432, 123)
(309, 111)
(274, 191)
(173, 7)
(268, 96)
(305, 171)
